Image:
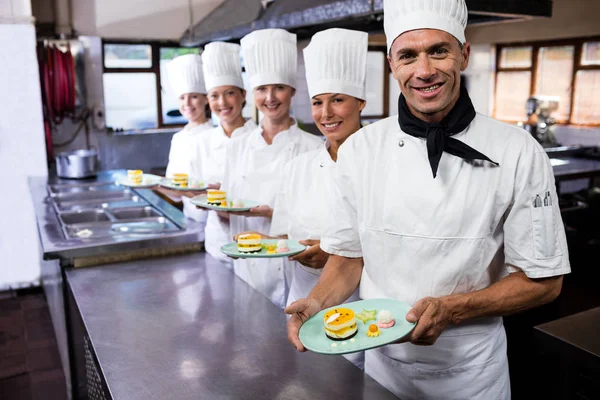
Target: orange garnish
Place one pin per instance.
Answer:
(373, 328)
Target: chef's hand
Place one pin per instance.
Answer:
(260, 211)
(300, 311)
(223, 216)
(313, 256)
(179, 193)
(432, 316)
(216, 186)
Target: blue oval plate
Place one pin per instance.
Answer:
(231, 249)
(312, 333)
(201, 201)
(168, 183)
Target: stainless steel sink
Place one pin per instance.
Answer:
(134, 212)
(79, 217)
(151, 226)
(103, 210)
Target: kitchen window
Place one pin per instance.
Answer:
(568, 69)
(136, 92)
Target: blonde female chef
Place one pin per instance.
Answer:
(255, 162)
(226, 98)
(338, 95)
(187, 81)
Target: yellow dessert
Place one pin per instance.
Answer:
(249, 243)
(340, 323)
(216, 197)
(373, 331)
(180, 180)
(135, 176)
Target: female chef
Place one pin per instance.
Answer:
(337, 93)
(226, 98)
(187, 81)
(255, 161)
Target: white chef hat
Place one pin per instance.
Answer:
(401, 16)
(185, 75)
(336, 62)
(222, 66)
(270, 56)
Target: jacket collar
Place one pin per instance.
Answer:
(289, 135)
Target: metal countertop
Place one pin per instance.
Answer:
(186, 328)
(55, 245)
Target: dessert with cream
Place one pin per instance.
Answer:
(385, 319)
(180, 180)
(340, 323)
(282, 246)
(373, 331)
(249, 243)
(237, 203)
(135, 176)
(216, 197)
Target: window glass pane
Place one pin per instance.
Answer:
(169, 103)
(585, 103)
(553, 78)
(591, 53)
(512, 91)
(515, 57)
(127, 56)
(130, 100)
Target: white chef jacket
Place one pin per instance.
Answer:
(457, 233)
(180, 155)
(208, 165)
(254, 171)
(301, 213)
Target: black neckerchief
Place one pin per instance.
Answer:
(438, 135)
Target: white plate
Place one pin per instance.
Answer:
(168, 183)
(202, 201)
(148, 180)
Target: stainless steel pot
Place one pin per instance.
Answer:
(77, 164)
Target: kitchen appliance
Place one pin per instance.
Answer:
(77, 164)
(539, 120)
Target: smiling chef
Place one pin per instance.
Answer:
(437, 207)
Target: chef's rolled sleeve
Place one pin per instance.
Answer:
(341, 237)
(535, 240)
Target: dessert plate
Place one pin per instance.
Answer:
(312, 332)
(148, 180)
(201, 201)
(168, 183)
(231, 249)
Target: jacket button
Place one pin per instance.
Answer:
(401, 143)
(322, 164)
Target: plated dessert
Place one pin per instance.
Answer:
(249, 243)
(216, 197)
(180, 180)
(340, 324)
(135, 176)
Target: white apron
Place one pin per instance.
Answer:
(208, 166)
(254, 171)
(300, 213)
(458, 233)
(180, 157)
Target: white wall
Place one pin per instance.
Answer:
(22, 145)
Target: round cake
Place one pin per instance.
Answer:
(135, 176)
(216, 197)
(249, 243)
(340, 323)
(180, 180)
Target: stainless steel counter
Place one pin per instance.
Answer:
(55, 245)
(187, 328)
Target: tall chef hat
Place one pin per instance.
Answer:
(270, 56)
(185, 75)
(222, 66)
(401, 16)
(336, 62)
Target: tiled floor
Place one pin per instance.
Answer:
(30, 367)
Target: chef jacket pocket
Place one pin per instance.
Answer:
(544, 232)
